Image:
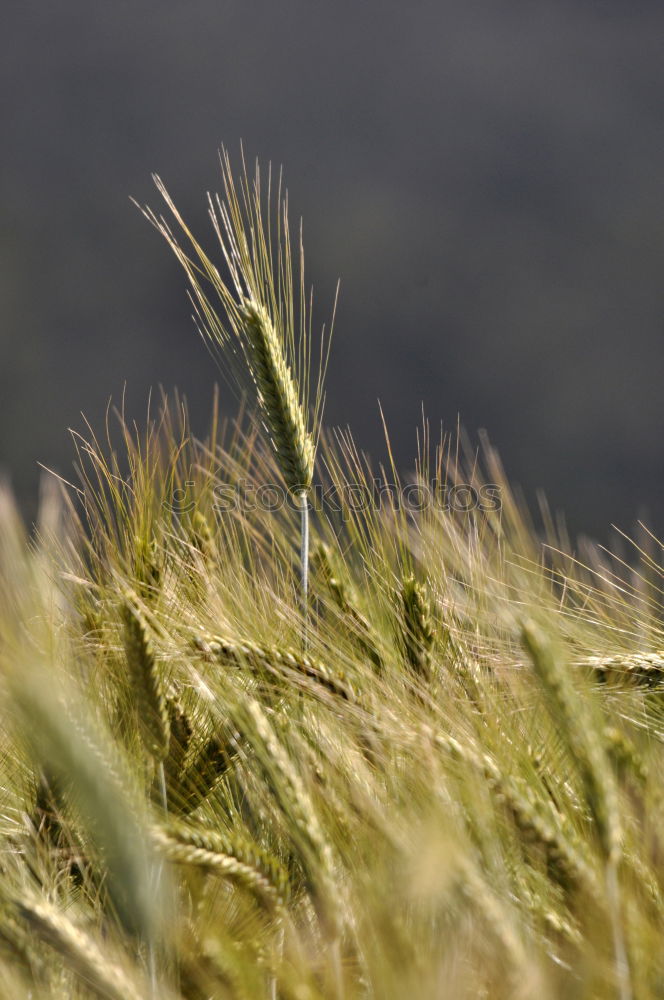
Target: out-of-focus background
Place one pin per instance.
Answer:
(485, 176)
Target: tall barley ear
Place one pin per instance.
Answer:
(585, 743)
(262, 336)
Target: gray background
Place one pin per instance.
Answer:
(485, 177)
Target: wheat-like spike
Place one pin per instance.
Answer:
(277, 662)
(201, 776)
(587, 750)
(288, 787)
(583, 740)
(83, 955)
(234, 857)
(561, 925)
(283, 416)
(221, 963)
(360, 627)
(151, 706)
(645, 669)
(147, 564)
(563, 857)
(181, 731)
(475, 888)
(624, 755)
(418, 634)
(202, 534)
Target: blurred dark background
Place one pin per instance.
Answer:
(485, 176)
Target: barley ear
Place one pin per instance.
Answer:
(282, 413)
(587, 750)
(81, 953)
(153, 718)
(231, 856)
(418, 634)
(344, 599)
(583, 739)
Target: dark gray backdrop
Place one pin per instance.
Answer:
(486, 176)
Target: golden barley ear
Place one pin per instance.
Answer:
(85, 957)
(145, 679)
(641, 669)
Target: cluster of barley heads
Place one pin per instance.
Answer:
(327, 751)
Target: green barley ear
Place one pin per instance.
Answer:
(231, 856)
(281, 410)
(198, 780)
(100, 791)
(153, 718)
(587, 749)
(281, 663)
(624, 756)
(284, 782)
(583, 739)
(202, 534)
(418, 634)
(179, 740)
(345, 601)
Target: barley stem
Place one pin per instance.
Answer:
(304, 564)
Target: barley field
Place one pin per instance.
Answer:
(270, 736)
